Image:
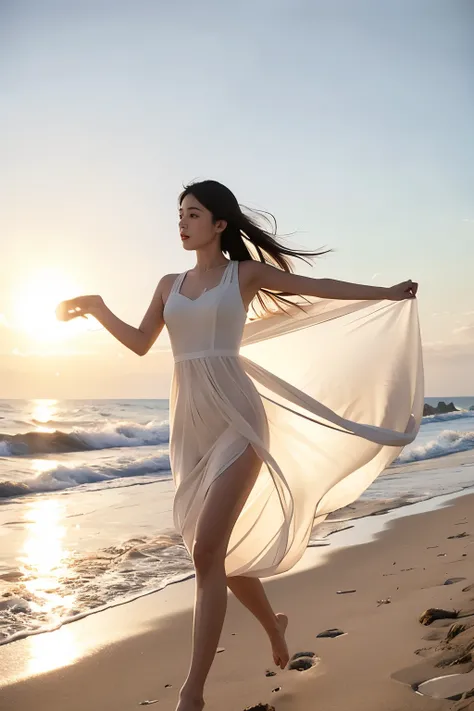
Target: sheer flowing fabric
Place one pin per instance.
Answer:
(327, 396)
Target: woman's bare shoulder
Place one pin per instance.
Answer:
(165, 285)
(168, 279)
(250, 267)
(250, 270)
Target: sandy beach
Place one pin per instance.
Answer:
(237, 293)
(114, 660)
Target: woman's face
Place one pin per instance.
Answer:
(196, 226)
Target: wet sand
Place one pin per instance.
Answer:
(120, 657)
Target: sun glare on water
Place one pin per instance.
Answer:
(35, 304)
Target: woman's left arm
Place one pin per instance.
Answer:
(265, 276)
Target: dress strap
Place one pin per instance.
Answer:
(177, 283)
(229, 273)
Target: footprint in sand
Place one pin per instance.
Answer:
(302, 661)
(452, 653)
(332, 633)
(455, 687)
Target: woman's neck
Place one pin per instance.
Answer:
(207, 260)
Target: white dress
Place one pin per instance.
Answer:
(362, 359)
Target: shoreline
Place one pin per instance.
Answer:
(156, 629)
(142, 539)
(355, 518)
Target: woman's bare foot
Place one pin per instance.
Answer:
(189, 703)
(278, 642)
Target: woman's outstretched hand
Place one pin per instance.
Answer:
(80, 306)
(405, 290)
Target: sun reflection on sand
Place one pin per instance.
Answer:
(52, 650)
(44, 561)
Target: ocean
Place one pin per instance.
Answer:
(86, 498)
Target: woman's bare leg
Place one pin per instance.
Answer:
(251, 594)
(221, 509)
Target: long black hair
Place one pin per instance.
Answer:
(244, 238)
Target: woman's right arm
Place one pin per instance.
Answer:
(139, 340)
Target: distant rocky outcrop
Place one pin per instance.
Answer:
(441, 408)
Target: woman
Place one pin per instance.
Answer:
(256, 520)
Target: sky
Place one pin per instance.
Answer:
(350, 120)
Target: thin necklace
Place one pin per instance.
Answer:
(209, 270)
(212, 268)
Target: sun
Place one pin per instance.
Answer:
(35, 302)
